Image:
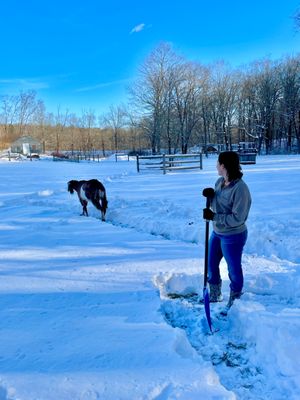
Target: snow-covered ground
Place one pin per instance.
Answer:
(92, 310)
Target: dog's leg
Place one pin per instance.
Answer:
(99, 207)
(103, 210)
(84, 207)
(103, 205)
(85, 210)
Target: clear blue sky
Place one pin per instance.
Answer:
(82, 54)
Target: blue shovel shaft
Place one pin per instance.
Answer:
(207, 307)
(205, 290)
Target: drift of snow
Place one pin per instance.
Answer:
(93, 310)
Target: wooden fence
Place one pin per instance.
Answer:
(76, 157)
(121, 156)
(169, 162)
(70, 159)
(247, 157)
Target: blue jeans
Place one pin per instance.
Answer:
(231, 248)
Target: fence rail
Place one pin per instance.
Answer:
(70, 159)
(169, 162)
(247, 157)
(76, 157)
(121, 156)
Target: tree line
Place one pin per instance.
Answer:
(25, 114)
(182, 103)
(174, 104)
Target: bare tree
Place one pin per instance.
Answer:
(248, 127)
(135, 131)
(18, 113)
(8, 115)
(206, 107)
(115, 119)
(224, 102)
(26, 108)
(152, 94)
(188, 91)
(267, 95)
(88, 122)
(41, 123)
(297, 19)
(61, 120)
(289, 107)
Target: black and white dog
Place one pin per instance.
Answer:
(92, 191)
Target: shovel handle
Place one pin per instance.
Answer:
(208, 202)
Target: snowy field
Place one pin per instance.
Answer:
(93, 310)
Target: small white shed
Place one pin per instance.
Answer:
(26, 145)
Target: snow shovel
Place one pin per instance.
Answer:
(208, 196)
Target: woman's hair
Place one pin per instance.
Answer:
(231, 161)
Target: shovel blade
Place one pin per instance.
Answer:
(207, 307)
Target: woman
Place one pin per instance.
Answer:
(230, 203)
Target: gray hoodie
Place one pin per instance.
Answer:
(231, 205)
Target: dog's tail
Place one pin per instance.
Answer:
(103, 198)
(104, 202)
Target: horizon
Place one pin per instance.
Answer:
(85, 57)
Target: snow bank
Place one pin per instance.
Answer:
(94, 310)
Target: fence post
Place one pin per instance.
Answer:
(137, 163)
(201, 166)
(164, 163)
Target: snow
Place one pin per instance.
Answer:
(93, 310)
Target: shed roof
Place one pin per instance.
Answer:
(26, 139)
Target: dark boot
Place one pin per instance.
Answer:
(215, 292)
(233, 296)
